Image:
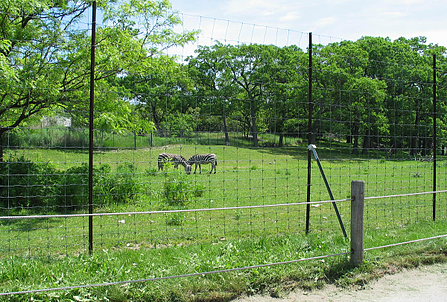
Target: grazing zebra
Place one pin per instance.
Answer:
(176, 159)
(200, 159)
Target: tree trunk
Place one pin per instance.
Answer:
(281, 140)
(414, 146)
(254, 128)
(227, 136)
(349, 139)
(355, 132)
(366, 142)
(281, 129)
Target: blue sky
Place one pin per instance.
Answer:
(288, 21)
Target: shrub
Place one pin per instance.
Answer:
(124, 184)
(199, 190)
(25, 184)
(175, 219)
(177, 190)
(108, 187)
(151, 171)
(50, 137)
(73, 187)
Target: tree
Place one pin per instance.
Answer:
(405, 65)
(349, 102)
(247, 66)
(45, 52)
(285, 91)
(211, 87)
(159, 92)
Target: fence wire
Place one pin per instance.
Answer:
(240, 92)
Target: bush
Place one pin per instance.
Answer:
(108, 187)
(177, 190)
(124, 186)
(25, 184)
(73, 188)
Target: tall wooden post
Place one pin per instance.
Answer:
(357, 210)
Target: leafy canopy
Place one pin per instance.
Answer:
(45, 50)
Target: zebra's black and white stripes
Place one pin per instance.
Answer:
(174, 158)
(202, 159)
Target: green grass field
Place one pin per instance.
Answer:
(167, 242)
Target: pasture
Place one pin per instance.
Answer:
(250, 212)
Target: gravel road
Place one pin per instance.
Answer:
(424, 284)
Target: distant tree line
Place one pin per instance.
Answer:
(369, 93)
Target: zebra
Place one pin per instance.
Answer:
(200, 159)
(176, 159)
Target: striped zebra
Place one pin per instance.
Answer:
(200, 159)
(174, 158)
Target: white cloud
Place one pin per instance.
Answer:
(244, 6)
(326, 21)
(290, 16)
(438, 36)
(394, 14)
(405, 2)
(282, 8)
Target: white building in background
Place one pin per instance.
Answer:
(54, 121)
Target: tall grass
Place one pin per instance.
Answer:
(169, 241)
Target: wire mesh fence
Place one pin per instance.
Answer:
(255, 98)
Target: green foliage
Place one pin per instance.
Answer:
(124, 183)
(54, 73)
(74, 187)
(26, 184)
(40, 186)
(151, 171)
(199, 190)
(180, 125)
(175, 219)
(177, 190)
(110, 188)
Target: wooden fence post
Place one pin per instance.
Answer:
(357, 209)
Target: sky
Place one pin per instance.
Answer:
(285, 22)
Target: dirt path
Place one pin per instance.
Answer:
(427, 284)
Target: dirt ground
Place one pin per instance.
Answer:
(427, 284)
